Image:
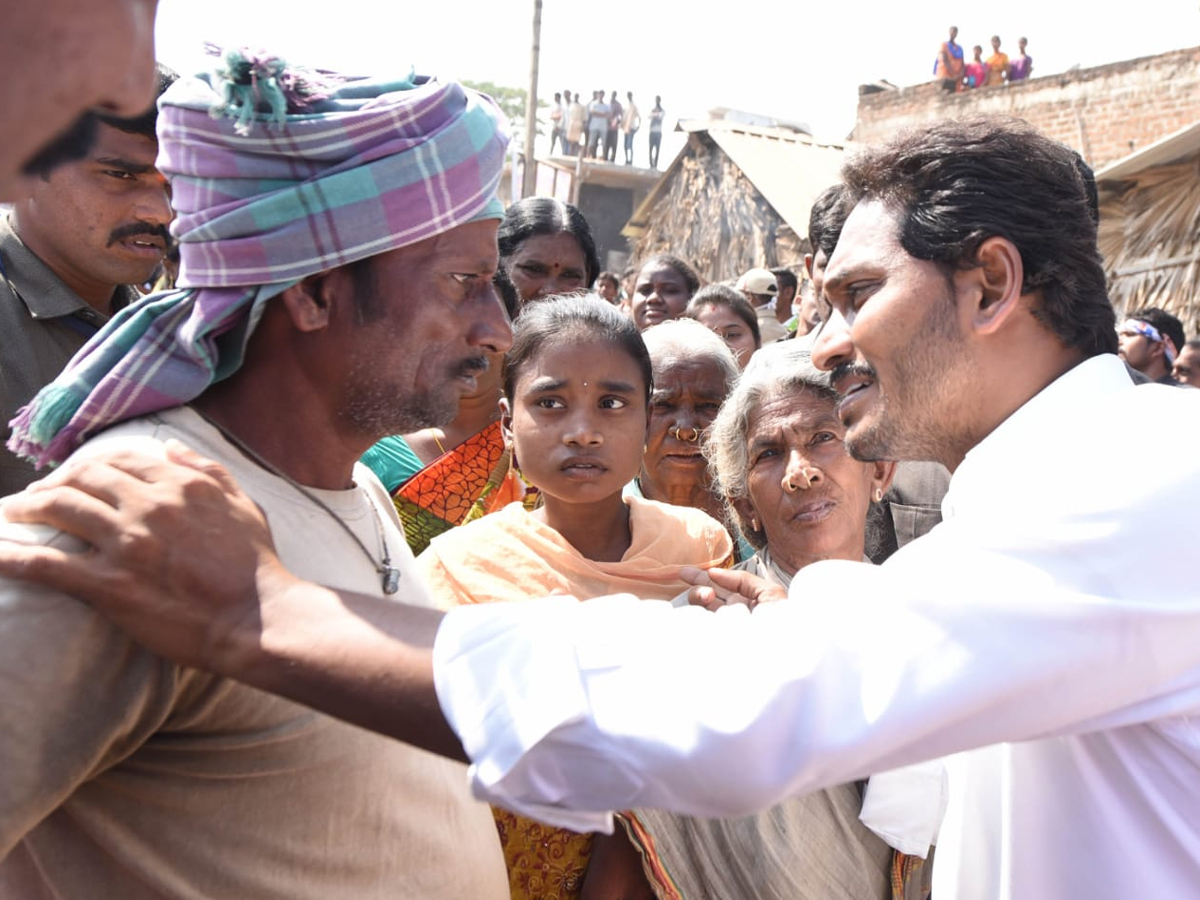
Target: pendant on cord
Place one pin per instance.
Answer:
(391, 579)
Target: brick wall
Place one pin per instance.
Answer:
(1104, 112)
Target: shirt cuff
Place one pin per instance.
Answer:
(905, 806)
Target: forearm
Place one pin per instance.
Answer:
(566, 707)
(362, 659)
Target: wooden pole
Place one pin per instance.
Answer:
(531, 105)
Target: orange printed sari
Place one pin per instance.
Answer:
(475, 478)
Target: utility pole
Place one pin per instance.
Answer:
(529, 186)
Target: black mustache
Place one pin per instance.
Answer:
(133, 229)
(72, 144)
(473, 365)
(849, 369)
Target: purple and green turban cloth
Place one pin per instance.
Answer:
(274, 178)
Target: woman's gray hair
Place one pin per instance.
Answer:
(782, 367)
(688, 339)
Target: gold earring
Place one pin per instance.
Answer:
(878, 495)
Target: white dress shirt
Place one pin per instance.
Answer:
(1057, 607)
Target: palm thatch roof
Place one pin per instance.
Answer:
(735, 197)
(1150, 228)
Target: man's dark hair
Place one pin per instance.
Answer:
(1165, 323)
(785, 277)
(955, 184)
(609, 278)
(145, 123)
(826, 218)
(1089, 185)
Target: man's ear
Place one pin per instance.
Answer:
(996, 280)
(309, 302)
(808, 258)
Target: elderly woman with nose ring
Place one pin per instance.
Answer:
(789, 483)
(776, 448)
(694, 370)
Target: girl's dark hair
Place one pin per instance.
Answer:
(570, 318)
(535, 216)
(724, 295)
(686, 272)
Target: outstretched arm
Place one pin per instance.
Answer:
(184, 562)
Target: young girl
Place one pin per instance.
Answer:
(576, 387)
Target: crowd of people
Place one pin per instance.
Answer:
(812, 584)
(955, 74)
(594, 130)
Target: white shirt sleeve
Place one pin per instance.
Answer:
(572, 709)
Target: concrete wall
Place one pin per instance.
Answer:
(1105, 112)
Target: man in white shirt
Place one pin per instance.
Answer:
(966, 322)
(631, 121)
(557, 114)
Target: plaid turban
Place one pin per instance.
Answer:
(263, 201)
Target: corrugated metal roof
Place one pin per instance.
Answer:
(787, 168)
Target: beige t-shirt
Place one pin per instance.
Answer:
(124, 776)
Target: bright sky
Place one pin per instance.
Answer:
(801, 61)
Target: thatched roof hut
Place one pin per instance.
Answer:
(1150, 228)
(735, 197)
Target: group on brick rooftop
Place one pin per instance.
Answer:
(955, 74)
(393, 549)
(593, 130)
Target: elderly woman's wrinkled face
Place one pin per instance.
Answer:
(687, 396)
(804, 491)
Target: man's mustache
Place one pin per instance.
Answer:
(72, 144)
(133, 229)
(473, 366)
(850, 369)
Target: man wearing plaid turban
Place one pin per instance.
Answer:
(338, 246)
